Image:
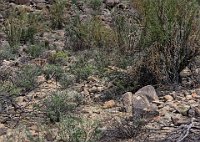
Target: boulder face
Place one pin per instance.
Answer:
(149, 92)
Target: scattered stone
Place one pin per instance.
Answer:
(189, 97)
(185, 72)
(3, 131)
(109, 104)
(182, 109)
(168, 98)
(197, 111)
(179, 120)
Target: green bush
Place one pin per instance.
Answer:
(87, 34)
(35, 50)
(60, 57)
(53, 71)
(25, 78)
(21, 26)
(73, 129)
(57, 14)
(95, 4)
(59, 104)
(169, 37)
(82, 69)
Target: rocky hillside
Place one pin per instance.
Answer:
(99, 71)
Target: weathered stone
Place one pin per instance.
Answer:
(149, 92)
(109, 104)
(182, 108)
(186, 72)
(168, 98)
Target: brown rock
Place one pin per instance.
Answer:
(182, 108)
(109, 104)
(168, 98)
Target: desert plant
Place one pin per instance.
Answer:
(57, 14)
(57, 105)
(95, 4)
(74, 129)
(60, 57)
(25, 77)
(35, 50)
(83, 68)
(169, 36)
(53, 71)
(21, 26)
(91, 33)
(66, 80)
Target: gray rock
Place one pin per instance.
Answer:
(149, 92)
(185, 72)
(140, 104)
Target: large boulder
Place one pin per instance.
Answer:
(141, 104)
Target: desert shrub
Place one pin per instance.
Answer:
(169, 36)
(60, 57)
(10, 88)
(87, 34)
(7, 54)
(74, 129)
(25, 78)
(127, 30)
(59, 104)
(66, 80)
(95, 4)
(21, 26)
(57, 14)
(53, 71)
(83, 68)
(35, 50)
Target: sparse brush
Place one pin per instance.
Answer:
(26, 77)
(59, 104)
(57, 14)
(21, 26)
(170, 37)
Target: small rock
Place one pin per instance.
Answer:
(179, 120)
(3, 131)
(168, 98)
(185, 72)
(40, 79)
(191, 112)
(189, 97)
(49, 137)
(182, 109)
(109, 104)
(197, 111)
(194, 95)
